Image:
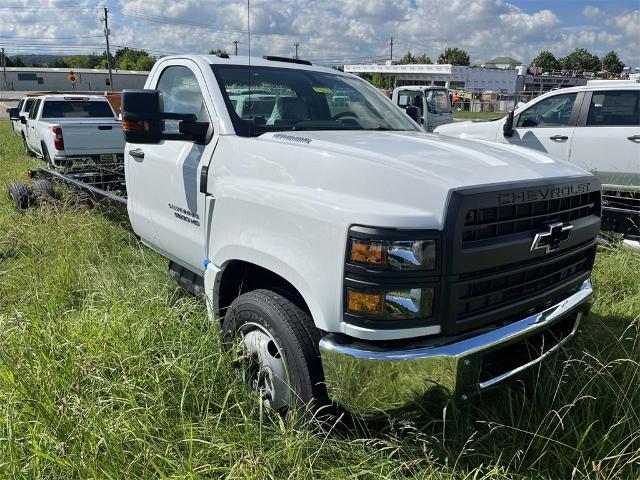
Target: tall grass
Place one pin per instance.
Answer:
(108, 371)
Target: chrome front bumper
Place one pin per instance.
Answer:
(368, 379)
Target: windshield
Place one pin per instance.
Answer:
(76, 109)
(438, 101)
(268, 99)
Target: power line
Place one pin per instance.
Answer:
(49, 38)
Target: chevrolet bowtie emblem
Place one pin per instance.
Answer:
(552, 236)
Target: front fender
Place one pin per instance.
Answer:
(307, 251)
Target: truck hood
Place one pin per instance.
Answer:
(383, 177)
(483, 130)
(446, 162)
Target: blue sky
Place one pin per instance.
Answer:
(328, 31)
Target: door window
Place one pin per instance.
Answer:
(34, 109)
(614, 108)
(551, 112)
(181, 94)
(27, 105)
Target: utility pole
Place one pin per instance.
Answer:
(296, 45)
(4, 70)
(105, 19)
(390, 58)
(235, 47)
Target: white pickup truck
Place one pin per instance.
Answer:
(346, 253)
(73, 130)
(595, 126)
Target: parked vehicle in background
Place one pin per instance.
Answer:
(73, 130)
(595, 126)
(433, 104)
(345, 252)
(22, 110)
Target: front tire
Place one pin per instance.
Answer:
(278, 346)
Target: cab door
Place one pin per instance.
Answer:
(547, 125)
(607, 138)
(31, 133)
(166, 201)
(412, 98)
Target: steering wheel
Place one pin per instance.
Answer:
(340, 115)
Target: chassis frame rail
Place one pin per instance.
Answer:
(86, 180)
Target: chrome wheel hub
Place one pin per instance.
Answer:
(265, 366)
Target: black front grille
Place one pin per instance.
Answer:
(498, 221)
(623, 200)
(490, 292)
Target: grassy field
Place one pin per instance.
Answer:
(466, 115)
(109, 371)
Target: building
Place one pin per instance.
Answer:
(503, 63)
(51, 79)
(450, 76)
(546, 82)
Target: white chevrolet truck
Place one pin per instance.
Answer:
(72, 130)
(347, 254)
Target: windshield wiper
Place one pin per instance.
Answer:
(319, 125)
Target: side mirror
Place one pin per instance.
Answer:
(143, 120)
(414, 113)
(23, 119)
(507, 128)
(14, 114)
(142, 116)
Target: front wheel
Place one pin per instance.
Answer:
(277, 344)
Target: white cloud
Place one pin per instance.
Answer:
(329, 31)
(593, 13)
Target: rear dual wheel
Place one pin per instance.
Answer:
(20, 195)
(23, 196)
(276, 344)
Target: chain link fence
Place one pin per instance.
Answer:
(483, 101)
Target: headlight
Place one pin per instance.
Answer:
(402, 255)
(392, 304)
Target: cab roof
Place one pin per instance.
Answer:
(255, 62)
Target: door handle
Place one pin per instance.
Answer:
(634, 138)
(559, 138)
(136, 152)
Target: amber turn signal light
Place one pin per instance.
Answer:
(361, 302)
(367, 252)
(135, 126)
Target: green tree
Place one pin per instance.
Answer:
(454, 56)
(131, 59)
(60, 63)
(379, 80)
(218, 51)
(407, 59)
(546, 60)
(612, 63)
(14, 62)
(580, 60)
(92, 60)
